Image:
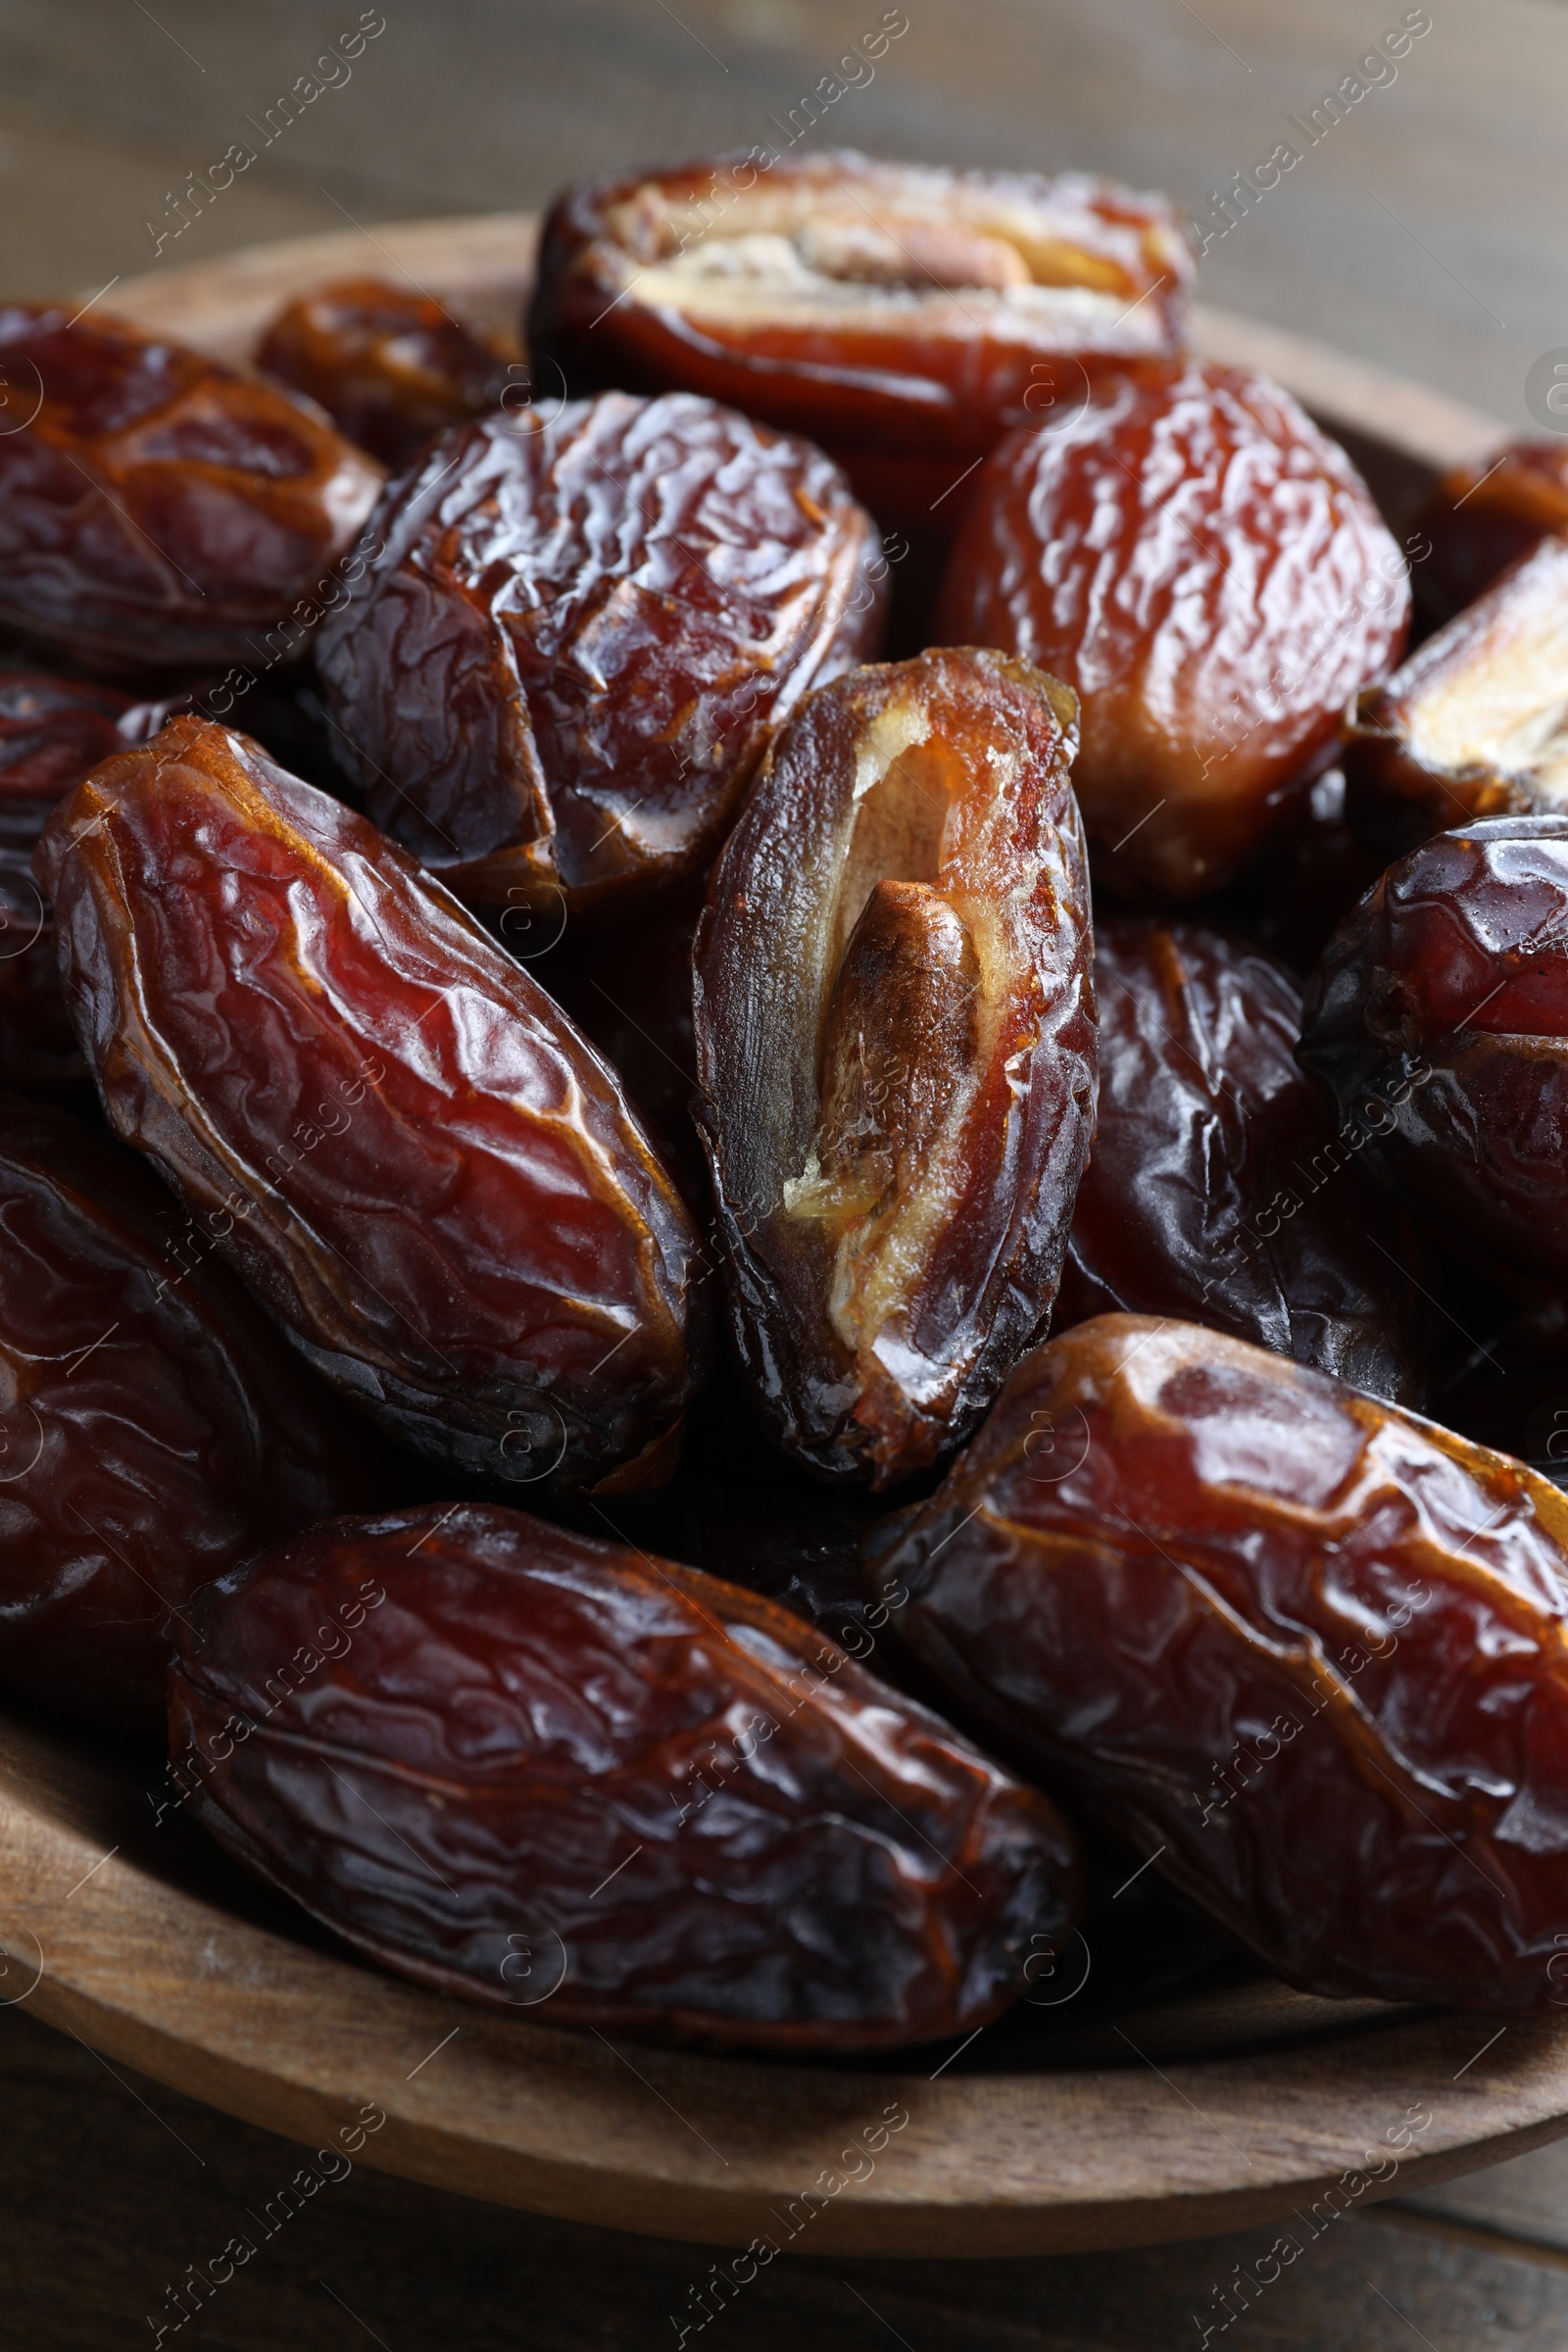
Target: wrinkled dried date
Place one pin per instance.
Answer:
(526, 1766)
(404, 1147)
(1209, 572)
(896, 1051)
(159, 511)
(389, 365)
(580, 630)
(155, 1429)
(1307, 1648)
(1456, 965)
(1217, 1192)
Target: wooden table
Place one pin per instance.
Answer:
(1423, 231)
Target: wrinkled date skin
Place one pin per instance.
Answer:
(1209, 574)
(155, 1428)
(533, 1769)
(1217, 1191)
(1454, 968)
(402, 1144)
(159, 511)
(389, 365)
(580, 630)
(902, 316)
(1485, 515)
(1309, 1647)
(895, 1024)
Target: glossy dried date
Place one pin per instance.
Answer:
(526, 1766)
(902, 315)
(1217, 1192)
(389, 364)
(404, 1146)
(580, 630)
(896, 1054)
(159, 511)
(155, 1431)
(1305, 1648)
(1439, 1017)
(1209, 572)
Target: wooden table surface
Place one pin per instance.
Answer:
(1424, 231)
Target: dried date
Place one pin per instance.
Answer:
(402, 1144)
(389, 365)
(159, 511)
(1209, 572)
(894, 1032)
(1307, 1649)
(580, 633)
(513, 1762)
(1484, 515)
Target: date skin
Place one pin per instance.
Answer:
(1308, 1648)
(895, 1024)
(1209, 574)
(155, 1428)
(1484, 515)
(902, 316)
(580, 633)
(389, 365)
(401, 1143)
(1215, 1193)
(525, 1749)
(159, 511)
(1455, 964)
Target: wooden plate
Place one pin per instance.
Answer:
(1230, 2103)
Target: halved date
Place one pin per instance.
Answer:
(388, 363)
(895, 1029)
(403, 1145)
(531, 1768)
(1307, 1649)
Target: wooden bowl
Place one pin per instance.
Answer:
(1215, 2108)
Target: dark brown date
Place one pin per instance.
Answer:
(1305, 1648)
(1439, 1017)
(902, 315)
(155, 1427)
(895, 1031)
(1209, 572)
(389, 364)
(1476, 723)
(402, 1144)
(159, 511)
(1484, 515)
(531, 1768)
(580, 633)
(1217, 1192)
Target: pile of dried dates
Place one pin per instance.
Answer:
(715, 1324)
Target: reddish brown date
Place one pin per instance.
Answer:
(1484, 515)
(533, 1769)
(1209, 573)
(902, 316)
(1439, 1017)
(1217, 1191)
(1475, 725)
(1305, 1648)
(159, 511)
(155, 1429)
(389, 365)
(403, 1145)
(896, 1054)
(580, 633)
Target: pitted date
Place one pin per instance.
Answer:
(894, 1026)
(1209, 572)
(1217, 1191)
(903, 316)
(1306, 1648)
(404, 1146)
(1484, 515)
(520, 1765)
(389, 364)
(156, 1428)
(1453, 971)
(159, 511)
(580, 631)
